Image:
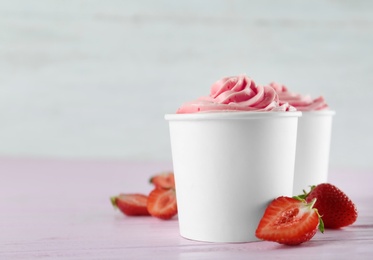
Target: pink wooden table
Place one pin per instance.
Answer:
(61, 209)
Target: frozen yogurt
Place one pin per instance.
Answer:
(237, 93)
(230, 138)
(300, 102)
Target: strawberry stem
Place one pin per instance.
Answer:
(305, 194)
(114, 201)
(321, 222)
(299, 197)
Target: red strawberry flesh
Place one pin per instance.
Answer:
(164, 180)
(288, 221)
(162, 203)
(131, 204)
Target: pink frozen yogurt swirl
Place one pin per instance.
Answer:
(300, 102)
(239, 93)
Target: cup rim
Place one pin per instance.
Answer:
(228, 115)
(319, 113)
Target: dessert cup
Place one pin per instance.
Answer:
(228, 166)
(312, 152)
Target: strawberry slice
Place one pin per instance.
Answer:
(162, 203)
(289, 221)
(164, 180)
(335, 207)
(131, 204)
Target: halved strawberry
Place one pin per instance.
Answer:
(337, 210)
(289, 221)
(162, 203)
(164, 180)
(131, 204)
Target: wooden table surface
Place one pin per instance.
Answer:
(61, 209)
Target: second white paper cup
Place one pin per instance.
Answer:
(228, 167)
(313, 146)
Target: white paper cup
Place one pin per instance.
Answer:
(313, 146)
(228, 166)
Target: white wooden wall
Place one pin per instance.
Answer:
(93, 79)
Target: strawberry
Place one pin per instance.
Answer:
(162, 203)
(131, 204)
(289, 221)
(336, 209)
(164, 180)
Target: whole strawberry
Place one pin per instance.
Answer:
(335, 208)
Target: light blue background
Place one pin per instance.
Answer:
(93, 79)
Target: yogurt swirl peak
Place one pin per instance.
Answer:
(300, 102)
(237, 93)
